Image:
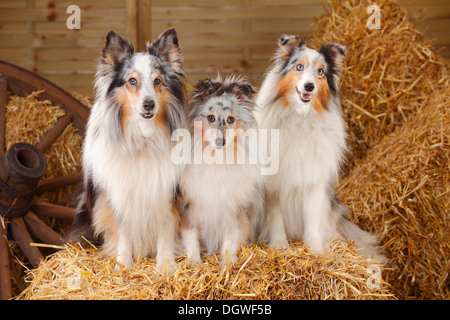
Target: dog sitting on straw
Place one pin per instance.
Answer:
(300, 98)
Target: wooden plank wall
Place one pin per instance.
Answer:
(239, 36)
(432, 18)
(233, 36)
(34, 35)
(230, 36)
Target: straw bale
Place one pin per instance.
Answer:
(262, 273)
(401, 192)
(390, 73)
(395, 100)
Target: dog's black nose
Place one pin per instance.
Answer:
(309, 86)
(220, 142)
(148, 105)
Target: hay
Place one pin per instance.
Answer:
(401, 192)
(395, 101)
(262, 273)
(389, 73)
(27, 120)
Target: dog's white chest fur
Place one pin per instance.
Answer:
(311, 150)
(138, 187)
(216, 194)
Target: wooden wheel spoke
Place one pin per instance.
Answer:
(3, 93)
(23, 211)
(54, 132)
(41, 230)
(47, 209)
(5, 274)
(59, 182)
(20, 234)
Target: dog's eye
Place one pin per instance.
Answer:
(157, 81)
(132, 81)
(300, 67)
(320, 71)
(230, 120)
(211, 118)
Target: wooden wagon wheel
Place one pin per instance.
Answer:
(23, 165)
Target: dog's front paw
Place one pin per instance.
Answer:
(315, 246)
(193, 261)
(278, 244)
(166, 266)
(124, 260)
(229, 259)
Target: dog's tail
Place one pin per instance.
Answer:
(366, 243)
(82, 228)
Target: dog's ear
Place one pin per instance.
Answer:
(166, 46)
(334, 54)
(289, 43)
(116, 48)
(205, 88)
(243, 90)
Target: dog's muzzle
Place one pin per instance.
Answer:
(147, 115)
(220, 142)
(304, 97)
(149, 107)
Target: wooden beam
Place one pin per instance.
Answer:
(47, 209)
(144, 23)
(131, 9)
(41, 230)
(138, 22)
(54, 132)
(21, 235)
(3, 100)
(5, 274)
(59, 182)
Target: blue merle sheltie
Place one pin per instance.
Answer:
(300, 97)
(129, 190)
(223, 193)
